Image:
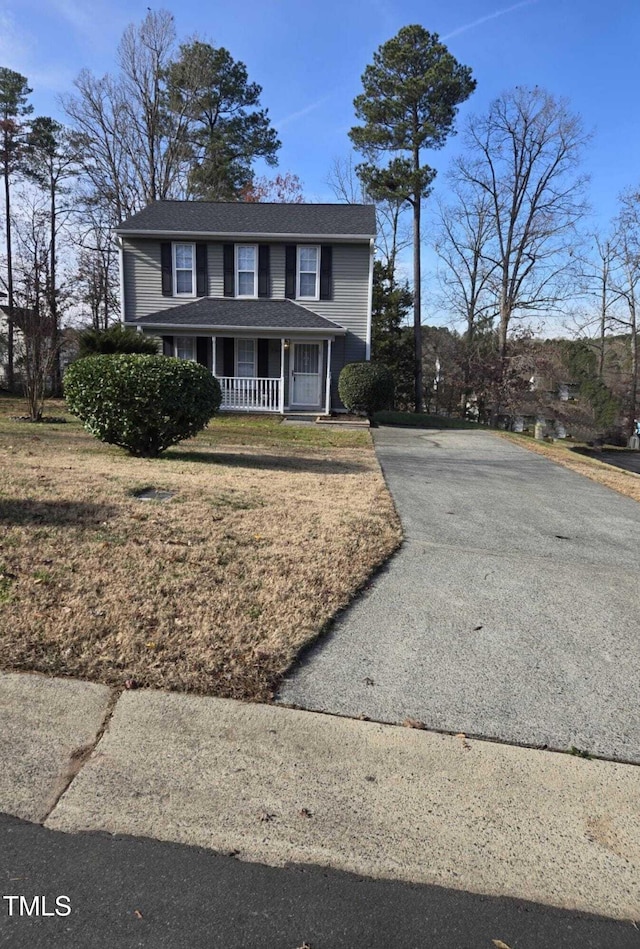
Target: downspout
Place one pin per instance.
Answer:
(120, 244)
(369, 302)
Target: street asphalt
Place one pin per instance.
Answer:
(132, 892)
(512, 610)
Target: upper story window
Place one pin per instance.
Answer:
(246, 270)
(183, 269)
(308, 277)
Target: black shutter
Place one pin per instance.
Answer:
(203, 351)
(290, 272)
(263, 358)
(166, 266)
(263, 271)
(326, 262)
(167, 345)
(229, 276)
(202, 288)
(228, 356)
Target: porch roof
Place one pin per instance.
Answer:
(227, 314)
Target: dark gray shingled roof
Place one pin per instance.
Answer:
(249, 314)
(243, 217)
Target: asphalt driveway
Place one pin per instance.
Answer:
(512, 611)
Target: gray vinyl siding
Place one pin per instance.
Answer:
(348, 308)
(143, 277)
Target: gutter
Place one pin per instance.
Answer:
(278, 330)
(244, 235)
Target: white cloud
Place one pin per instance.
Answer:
(14, 42)
(294, 116)
(489, 16)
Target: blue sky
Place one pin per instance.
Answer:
(309, 57)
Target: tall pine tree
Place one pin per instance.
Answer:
(411, 93)
(14, 109)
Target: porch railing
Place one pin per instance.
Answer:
(248, 394)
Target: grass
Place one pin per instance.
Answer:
(422, 420)
(624, 482)
(270, 532)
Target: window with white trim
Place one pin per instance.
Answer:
(246, 358)
(184, 283)
(308, 273)
(186, 347)
(246, 270)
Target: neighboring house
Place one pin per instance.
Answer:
(551, 408)
(273, 298)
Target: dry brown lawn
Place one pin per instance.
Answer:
(269, 534)
(624, 482)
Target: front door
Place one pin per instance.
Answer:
(306, 374)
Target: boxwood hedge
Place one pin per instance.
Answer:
(141, 403)
(366, 387)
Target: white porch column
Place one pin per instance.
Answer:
(213, 355)
(281, 401)
(328, 381)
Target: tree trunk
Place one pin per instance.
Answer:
(53, 301)
(505, 315)
(417, 315)
(633, 401)
(603, 319)
(10, 317)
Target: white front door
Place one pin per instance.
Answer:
(306, 374)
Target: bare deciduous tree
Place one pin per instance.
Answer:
(598, 273)
(464, 232)
(523, 158)
(39, 344)
(96, 275)
(627, 286)
(131, 145)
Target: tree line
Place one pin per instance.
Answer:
(511, 241)
(183, 120)
(174, 121)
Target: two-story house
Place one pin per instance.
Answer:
(273, 298)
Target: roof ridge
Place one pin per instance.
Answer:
(288, 204)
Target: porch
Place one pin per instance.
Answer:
(263, 374)
(268, 355)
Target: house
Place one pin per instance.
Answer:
(273, 298)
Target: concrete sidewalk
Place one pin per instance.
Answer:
(274, 785)
(511, 611)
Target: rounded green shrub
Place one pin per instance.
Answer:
(366, 387)
(115, 339)
(142, 403)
